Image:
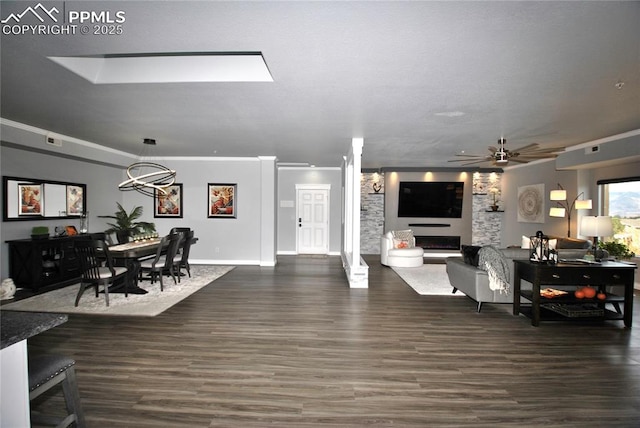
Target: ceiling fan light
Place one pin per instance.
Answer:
(501, 157)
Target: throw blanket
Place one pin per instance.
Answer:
(491, 260)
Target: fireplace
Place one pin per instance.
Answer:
(438, 242)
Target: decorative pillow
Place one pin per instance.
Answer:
(406, 235)
(470, 254)
(401, 243)
(573, 244)
(403, 237)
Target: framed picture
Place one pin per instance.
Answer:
(75, 200)
(531, 203)
(169, 204)
(222, 200)
(30, 199)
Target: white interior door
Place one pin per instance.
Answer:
(313, 219)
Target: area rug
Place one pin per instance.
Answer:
(428, 279)
(140, 305)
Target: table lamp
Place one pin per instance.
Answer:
(596, 226)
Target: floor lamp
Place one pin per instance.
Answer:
(596, 226)
(564, 208)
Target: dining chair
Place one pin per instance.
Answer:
(164, 261)
(185, 231)
(46, 372)
(184, 255)
(98, 268)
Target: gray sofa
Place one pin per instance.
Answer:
(467, 277)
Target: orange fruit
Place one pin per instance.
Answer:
(601, 296)
(589, 292)
(579, 294)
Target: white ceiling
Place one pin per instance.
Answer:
(420, 81)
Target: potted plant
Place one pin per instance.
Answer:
(126, 225)
(495, 192)
(40, 232)
(616, 249)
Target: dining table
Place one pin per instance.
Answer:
(129, 255)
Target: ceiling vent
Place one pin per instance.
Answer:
(591, 150)
(53, 141)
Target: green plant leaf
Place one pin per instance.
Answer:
(127, 220)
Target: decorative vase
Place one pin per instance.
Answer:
(494, 208)
(84, 223)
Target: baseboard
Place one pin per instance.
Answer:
(294, 253)
(224, 262)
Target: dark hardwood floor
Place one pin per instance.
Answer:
(294, 346)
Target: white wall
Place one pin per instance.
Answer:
(102, 190)
(574, 181)
(247, 239)
(536, 173)
(220, 240)
(288, 177)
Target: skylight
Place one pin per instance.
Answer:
(168, 68)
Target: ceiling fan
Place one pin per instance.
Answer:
(501, 156)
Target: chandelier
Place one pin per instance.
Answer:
(148, 177)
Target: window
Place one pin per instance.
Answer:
(621, 201)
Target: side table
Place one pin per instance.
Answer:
(570, 275)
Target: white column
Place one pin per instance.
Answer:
(268, 223)
(356, 269)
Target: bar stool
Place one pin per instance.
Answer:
(47, 371)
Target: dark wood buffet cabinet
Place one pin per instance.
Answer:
(44, 263)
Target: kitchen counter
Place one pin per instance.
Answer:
(15, 329)
(17, 326)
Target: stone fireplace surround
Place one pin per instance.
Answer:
(485, 224)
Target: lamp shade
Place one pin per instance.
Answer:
(558, 195)
(556, 212)
(584, 205)
(596, 226)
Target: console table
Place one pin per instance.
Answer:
(569, 276)
(45, 263)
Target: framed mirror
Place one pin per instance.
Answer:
(36, 199)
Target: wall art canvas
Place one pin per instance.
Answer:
(169, 204)
(31, 200)
(75, 200)
(222, 200)
(531, 203)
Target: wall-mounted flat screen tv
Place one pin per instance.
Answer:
(437, 199)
